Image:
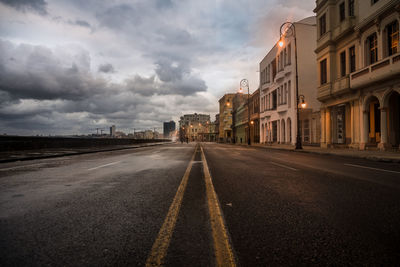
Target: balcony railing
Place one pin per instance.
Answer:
(383, 69)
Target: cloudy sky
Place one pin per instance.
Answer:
(71, 66)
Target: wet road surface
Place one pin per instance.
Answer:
(276, 207)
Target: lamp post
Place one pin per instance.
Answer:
(245, 83)
(290, 26)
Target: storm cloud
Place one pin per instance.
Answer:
(68, 67)
(38, 6)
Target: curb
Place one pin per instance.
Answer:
(367, 157)
(78, 153)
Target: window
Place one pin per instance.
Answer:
(289, 94)
(322, 25)
(374, 1)
(372, 48)
(268, 75)
(352, 59)
(273, 64)
(285, 56)
(289, 57)
(285, 94)
(343, 64)
(351, 8)
(323, 71)
(342, 13)
(279, 96)
(274, 100)
(282, 59)
(393, 37)
(306, 129)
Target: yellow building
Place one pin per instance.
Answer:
(225, 118)
(358, 65)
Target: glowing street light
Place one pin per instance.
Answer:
(291, 29)
(245, 83)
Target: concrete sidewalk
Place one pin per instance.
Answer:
(375, 155)
(22, 155)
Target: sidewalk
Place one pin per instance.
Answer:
(375, 155)
(22, 155)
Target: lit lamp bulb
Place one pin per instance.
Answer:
(252, 122)
(280, 43)
(303, 104)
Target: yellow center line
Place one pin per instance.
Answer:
(223, 250)
(160, 246)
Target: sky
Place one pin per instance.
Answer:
(70, 66)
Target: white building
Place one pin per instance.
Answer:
(278, 115)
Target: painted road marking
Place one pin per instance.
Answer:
(371, 168)
(223, 250)
(283, 166)
(105, 165)
(160, 246)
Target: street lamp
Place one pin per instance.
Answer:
(243, 84)
(290, 27)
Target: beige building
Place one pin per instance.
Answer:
(240, 118)
(192, 126)
(278, 105)
(358, 64)
(225, 118)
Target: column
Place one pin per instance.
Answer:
(364, 130)
(384, 131)
(323, 137)
(328, 123)
(352, 122)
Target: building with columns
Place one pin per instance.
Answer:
(358, 65)
(278, 106)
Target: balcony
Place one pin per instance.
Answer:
(382, 70)
(341, 86)
(323, 41)
(324, 91)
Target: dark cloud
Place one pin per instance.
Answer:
(168, 71)
(47, 90)
(82, 23)
(143, 86)
(35, 72)
(106, 68)
(38, 6)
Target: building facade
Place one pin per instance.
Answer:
(278, 105)
(240, 118)
(225, 118)
(255, 116)
(358, 65)
(168, 129)
(192, 126)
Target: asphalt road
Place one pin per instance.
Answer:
(278, 207)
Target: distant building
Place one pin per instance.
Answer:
(255, 116)
(191, 125)
(112, 131)
(225, 118)
(240, 118)
(169, 128)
